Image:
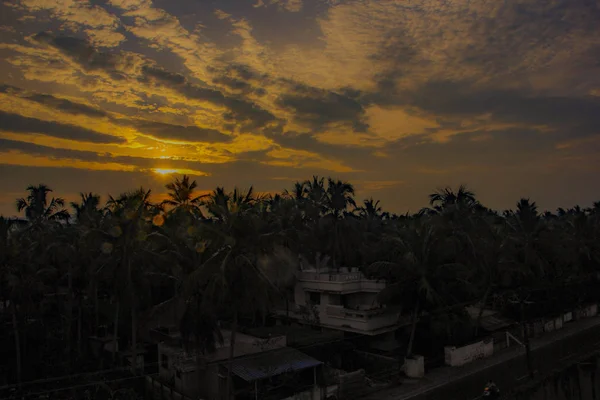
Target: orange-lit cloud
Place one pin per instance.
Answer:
(396, 97)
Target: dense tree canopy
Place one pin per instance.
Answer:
(232, 255)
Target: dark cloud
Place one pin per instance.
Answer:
(580, 114)
(234, 84)
(178, 132)
(156, 129)
(241, 111)
(251, 115)
(66, 105)
(200, 93)
(9, 89)
(17, 123)
(303, 141)
(519, 31)
(240, 79)
(452, 101)
(38, 150)
(397, 51)
(54, 102)
(245, 113)
(91, 156)
(162, 75)
(84, 54)
(318, 107)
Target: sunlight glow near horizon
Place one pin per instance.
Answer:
(165, 171)
(179, 171)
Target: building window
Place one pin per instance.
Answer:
(164, 361)
(315, 298)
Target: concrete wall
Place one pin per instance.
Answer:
(360, 315)
(576, 382)
(553, 324)
(347, 282)
(513, 372)
(157, 390)
(351, 383)
(457, 356)
(376, 363)
(312, 394)
(586, 312)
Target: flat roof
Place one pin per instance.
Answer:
(272, 363)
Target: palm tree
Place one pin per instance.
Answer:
(37, 207)
(130, 217)
(490, 259)
(370, 209)
(87, 211)
(339, 196)
(9, 256)
(525, 228)
(420, 271)
(26, 273)
(447, 197)
(182, 196)
(241, 240)
(85, 240)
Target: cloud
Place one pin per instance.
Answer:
(58, 157)
(66, 105)
(318, 107)
(282, 157)
(100, 25)
(83, 53)
(54, 102)
(283, 5)
(165, 31)
(17, 123)
(456, 101)
(238, 110)
(419, 92)
(180, 133)
(241, 79)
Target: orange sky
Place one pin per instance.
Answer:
(397, 97)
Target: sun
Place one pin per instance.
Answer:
(165, 171)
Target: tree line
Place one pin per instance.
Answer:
(68, 269)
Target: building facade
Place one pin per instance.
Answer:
(343, 301)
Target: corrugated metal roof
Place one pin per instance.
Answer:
(271, 363)
(495, 322)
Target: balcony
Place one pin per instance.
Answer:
(345, 282)
(366, 322)
(373, 321)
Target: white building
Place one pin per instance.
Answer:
(343, 301)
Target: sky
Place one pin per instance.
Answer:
(397, 97)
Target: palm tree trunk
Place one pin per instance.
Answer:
(79, 327)
(335, 244)
(481, 308)
(229, 388)
(133, 320)
(17, 343)
(526, 340)
(287, 310)
(69, 316)
(134, 338)
(413, 329)
(116, 331)
(96, 307)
